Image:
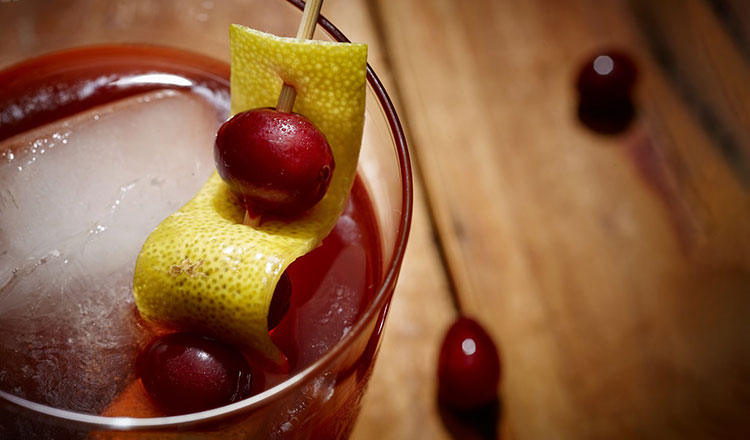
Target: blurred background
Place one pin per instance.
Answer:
(610, 263)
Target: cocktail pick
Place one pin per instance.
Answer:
(305, 31)
(288, 92)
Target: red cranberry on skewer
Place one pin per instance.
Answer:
(469, 366)
(278, 162)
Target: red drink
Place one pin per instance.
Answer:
(80, 357)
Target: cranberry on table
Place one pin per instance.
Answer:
(605, 84)
(185, 373)
(469, 366)
(279, 163)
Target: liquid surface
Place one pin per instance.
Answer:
(83, 184)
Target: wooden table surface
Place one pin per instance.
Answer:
(613, 271)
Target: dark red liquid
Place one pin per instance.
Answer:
(331, 286)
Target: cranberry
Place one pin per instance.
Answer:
(280, 163)
(469, 366)
(605, 84)
(185, 373)
(280, 302)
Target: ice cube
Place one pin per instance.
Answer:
(78, 197)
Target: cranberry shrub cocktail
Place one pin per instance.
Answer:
(101, 145)
(122, 187)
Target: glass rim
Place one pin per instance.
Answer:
(379, 301)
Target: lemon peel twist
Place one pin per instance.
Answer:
(201, 269)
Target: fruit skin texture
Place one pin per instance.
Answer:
(185, 373)
(202, 270)
(469, 366)
(280, 163)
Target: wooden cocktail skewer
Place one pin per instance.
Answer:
(305, 31)
(288, 93)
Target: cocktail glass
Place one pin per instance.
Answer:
(322, 400)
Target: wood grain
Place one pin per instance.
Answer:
(614, 271)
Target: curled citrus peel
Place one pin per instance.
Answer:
(201, 269)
